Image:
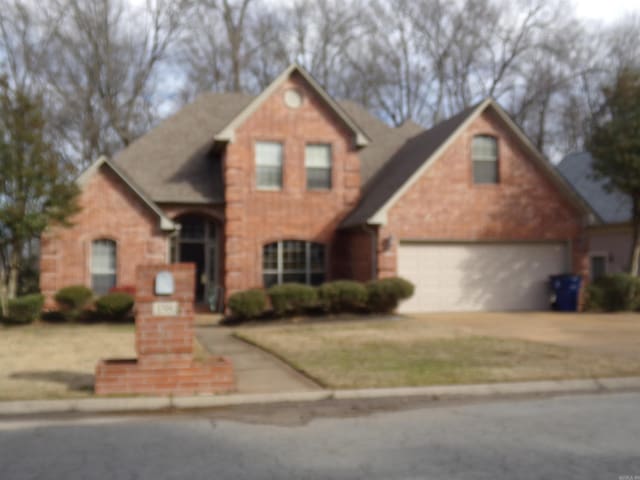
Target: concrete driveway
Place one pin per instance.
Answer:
(609, 334)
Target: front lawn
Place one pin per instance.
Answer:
(412, 353)
(57, 361)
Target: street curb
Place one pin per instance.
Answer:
(150, 404)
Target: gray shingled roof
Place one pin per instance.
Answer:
(174, 163)
(413, 152)
(611, 207)
(385, 141)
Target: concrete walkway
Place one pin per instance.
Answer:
(256, 370)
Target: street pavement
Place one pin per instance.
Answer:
(569, 437)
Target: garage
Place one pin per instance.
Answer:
(479, 276)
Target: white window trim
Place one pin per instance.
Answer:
(269, 188)
(105, 271)
(485, 159)
(95, 272)
(328, 168)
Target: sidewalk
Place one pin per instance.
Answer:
(256, 370)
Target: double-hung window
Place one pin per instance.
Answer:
(317, 160)
(484, 154)
(103, 265)
(269, 165)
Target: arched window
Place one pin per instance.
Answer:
(484, 154)
(103, 265)
(293, 261)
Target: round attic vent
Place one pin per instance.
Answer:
(292, 98)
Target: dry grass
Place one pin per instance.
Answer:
(57, 361)
(411, 353)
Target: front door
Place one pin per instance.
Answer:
(197, 243)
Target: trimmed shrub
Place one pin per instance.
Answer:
(292, 298)
(384, 295)
(612, 293)
(25, 309)
(73, 298)
(248, 303)
(342, 296)
(116, 306)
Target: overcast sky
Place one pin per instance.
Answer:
(606, 10)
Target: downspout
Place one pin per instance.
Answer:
(374, 250)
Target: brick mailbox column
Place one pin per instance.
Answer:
(164, 343)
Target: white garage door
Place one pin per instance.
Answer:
(479, 276)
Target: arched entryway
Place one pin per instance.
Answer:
(197, 242)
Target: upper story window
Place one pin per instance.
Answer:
(317, 160)
(293, 261)
(484, 154)
(269, 165)
(103, 265)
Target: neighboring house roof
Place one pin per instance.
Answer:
(174, 161)
(611, 207)
(421, 150)
(165, 222)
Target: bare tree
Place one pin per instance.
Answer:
(108, 69)
(104, 77)
(220, 44)
(23, 32)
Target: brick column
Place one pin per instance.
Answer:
(164, 343)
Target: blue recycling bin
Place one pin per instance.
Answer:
(566, 291)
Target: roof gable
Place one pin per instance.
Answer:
(419, 152)
(395, 176)
(228, 132)
(165, 222)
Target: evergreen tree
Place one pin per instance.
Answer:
(614, 143)
(36, 187)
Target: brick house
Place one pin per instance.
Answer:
(294, 186)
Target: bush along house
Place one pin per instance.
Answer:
(293, 186)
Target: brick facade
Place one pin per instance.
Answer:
(352, 255)
(164, 344)
(253, 217)
(110, 210)
(444, 203)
